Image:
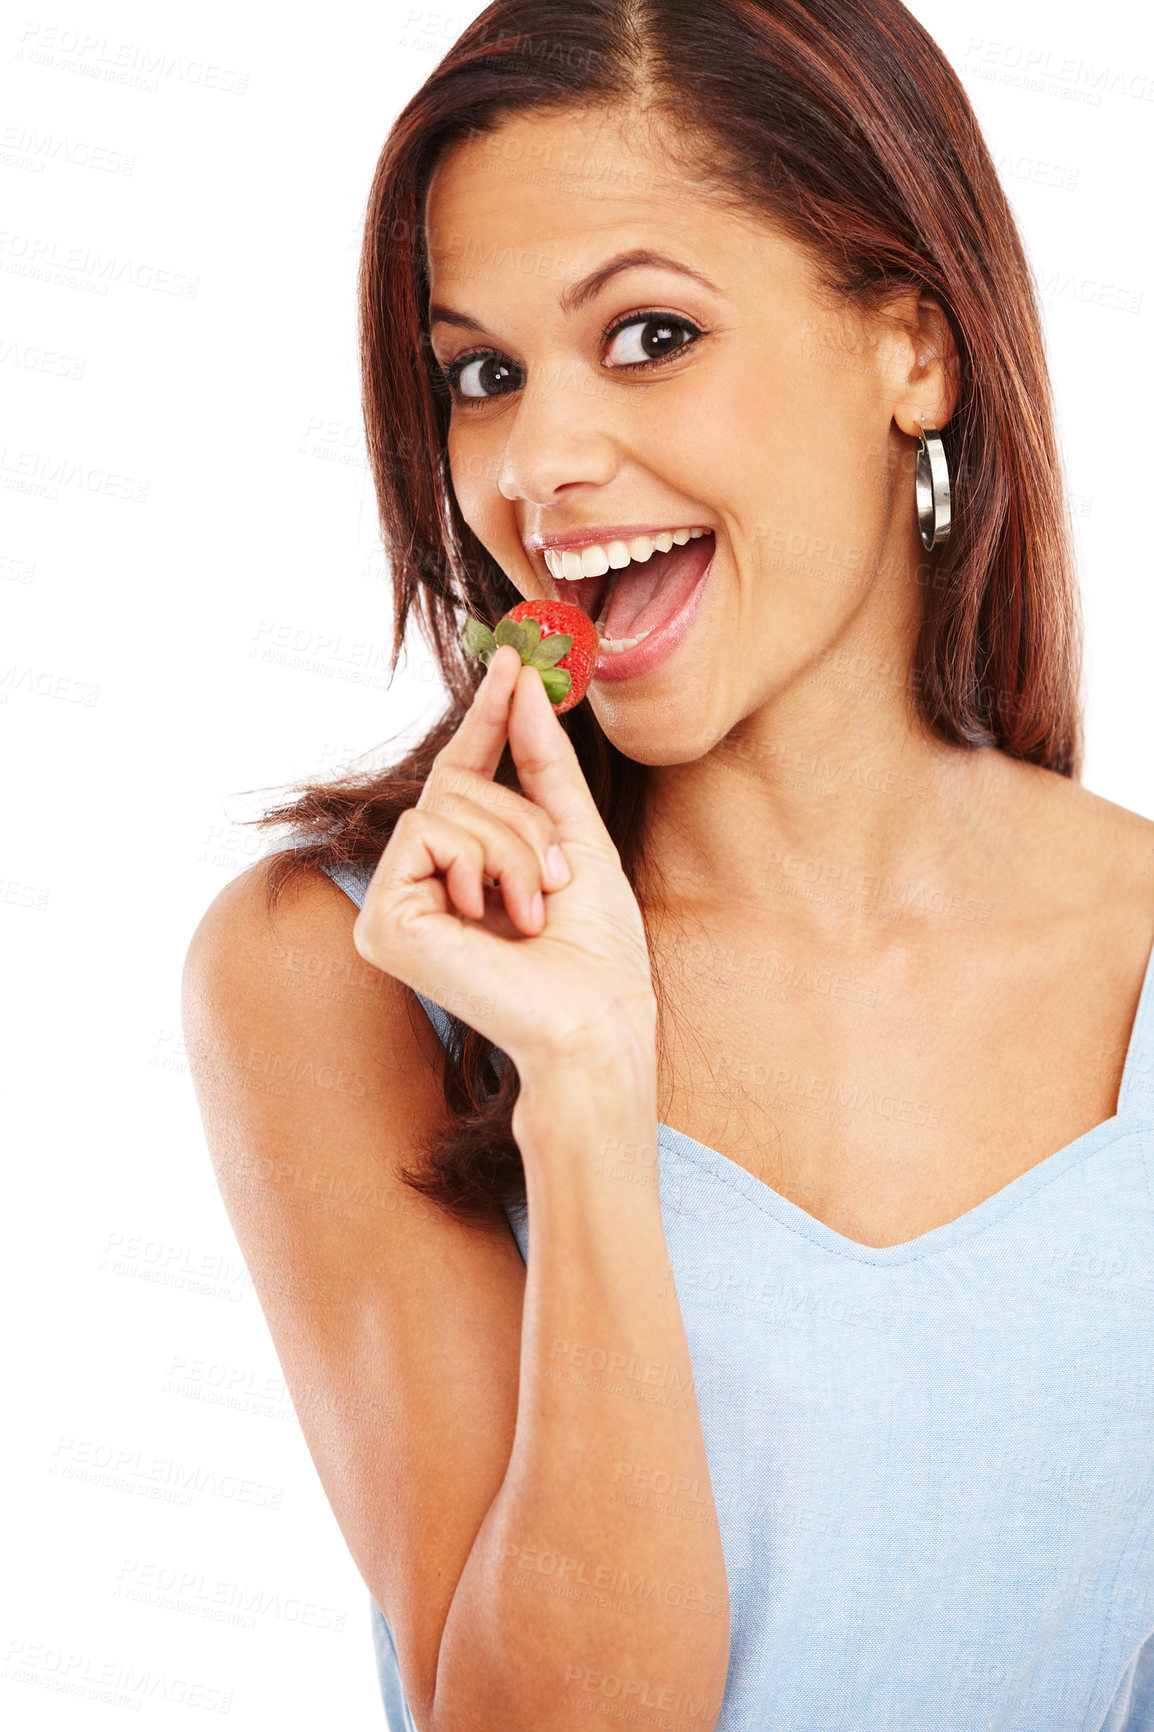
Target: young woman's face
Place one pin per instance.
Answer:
(708, 388)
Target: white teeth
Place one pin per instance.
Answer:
(616, 646)
(595, 559)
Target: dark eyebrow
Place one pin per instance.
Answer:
(573, 299)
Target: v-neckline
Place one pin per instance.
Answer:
(1131, 1111)
(1126, 1116)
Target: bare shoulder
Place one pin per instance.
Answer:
(1107, 845)
(297, 965)
(317, 1078)
(1074, 874)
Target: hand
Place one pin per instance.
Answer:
(552, 969)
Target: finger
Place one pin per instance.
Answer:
(418, 938)
(509, 862)
(460, 794)
(547, 765)
(480, 739)
(424, 843)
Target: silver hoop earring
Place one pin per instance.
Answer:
(932, 488)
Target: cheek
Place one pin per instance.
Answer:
(792, 456)
(741, 436)
(473, 471)
(780, 449)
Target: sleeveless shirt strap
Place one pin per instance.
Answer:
(352, 876)
(438, 1017)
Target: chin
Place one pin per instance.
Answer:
(661, 732)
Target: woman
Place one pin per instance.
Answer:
(795, 995)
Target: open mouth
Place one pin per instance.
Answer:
(628, 603)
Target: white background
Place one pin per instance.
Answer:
(140, 713)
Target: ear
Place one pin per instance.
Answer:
(922, 370)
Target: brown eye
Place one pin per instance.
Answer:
(484, 376)
(649, 338)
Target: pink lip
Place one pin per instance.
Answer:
(660, 643)
(601, 533)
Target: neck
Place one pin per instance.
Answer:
(834, 782)
(837, 784)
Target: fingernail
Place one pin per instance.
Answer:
(537, 909)
(558, 866)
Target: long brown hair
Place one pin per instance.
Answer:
(841, 121)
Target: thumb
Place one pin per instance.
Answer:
(547, 765)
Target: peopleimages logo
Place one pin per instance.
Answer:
(50, 260)
(1027, 67)
(39, 473)
(129, 63)
(219, 1598)
(28, 147)
(159, 1477)
(31, 358)
(116, 1683)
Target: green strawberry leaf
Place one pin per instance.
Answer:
(532, 629)
(509, 631)
(552, 648)
(478, 638)
(558, 683)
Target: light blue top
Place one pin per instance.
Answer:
(933, 1463)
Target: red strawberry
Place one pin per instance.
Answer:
(555, 637)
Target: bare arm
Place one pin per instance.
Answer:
(397, 1328)
(469, 1427)
(573, 1596)
(474, 1428)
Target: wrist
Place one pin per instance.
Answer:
(602, 1095)
(620, 1041)
(589, 1154)
(612, 1063)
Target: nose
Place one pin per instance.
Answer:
(559, 438)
